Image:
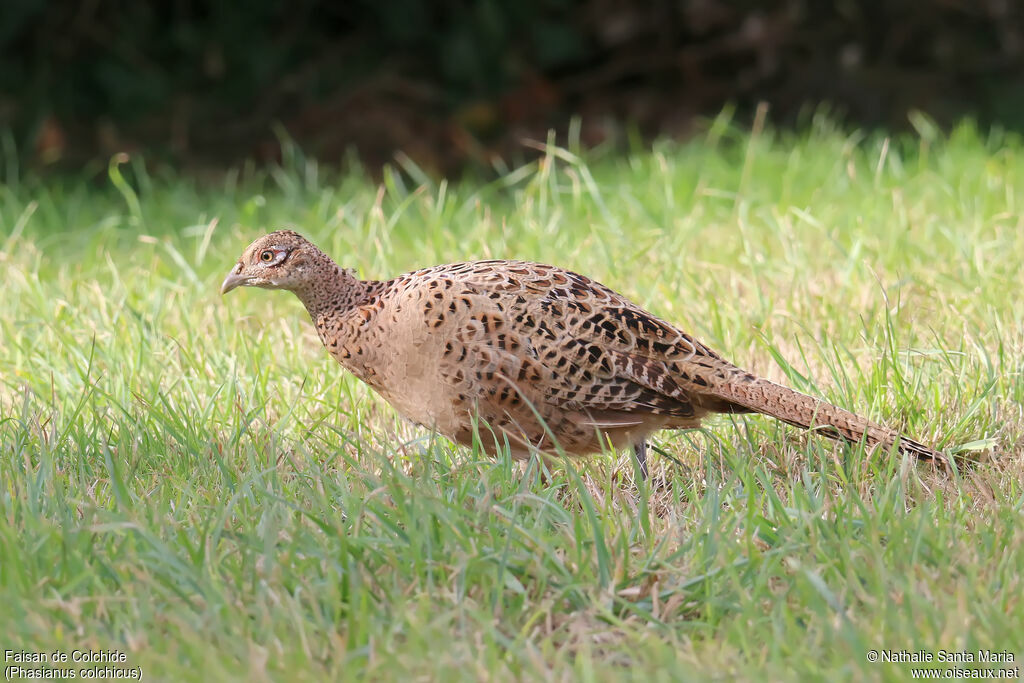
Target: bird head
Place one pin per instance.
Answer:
(280, 260)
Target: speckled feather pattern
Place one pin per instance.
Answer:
(531, 356)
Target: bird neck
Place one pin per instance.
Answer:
(332, 289)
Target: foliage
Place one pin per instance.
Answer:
(207, 80)
(193, 482)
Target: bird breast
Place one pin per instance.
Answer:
(394, 345)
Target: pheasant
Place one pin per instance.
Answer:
(528, 357)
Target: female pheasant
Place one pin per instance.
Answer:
(537, 357)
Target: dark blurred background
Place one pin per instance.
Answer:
(457, 83)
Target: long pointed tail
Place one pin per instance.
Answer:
(764, 396)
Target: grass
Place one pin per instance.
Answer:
(193, 482)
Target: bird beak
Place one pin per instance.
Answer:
(234, 279)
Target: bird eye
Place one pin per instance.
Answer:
(267, 256)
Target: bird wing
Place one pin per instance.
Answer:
(560, 338)
(566, 340)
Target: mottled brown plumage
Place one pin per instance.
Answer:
(531, 353)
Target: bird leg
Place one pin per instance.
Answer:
(640, 451)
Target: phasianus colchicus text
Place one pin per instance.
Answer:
(530, 356)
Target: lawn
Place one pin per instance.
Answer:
(192, 483)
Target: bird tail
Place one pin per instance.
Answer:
(767, 397)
